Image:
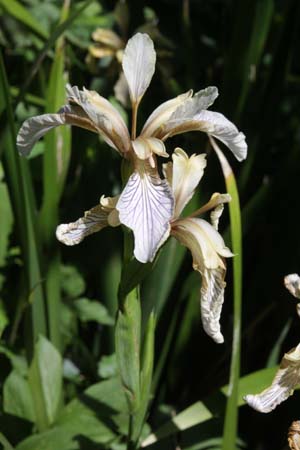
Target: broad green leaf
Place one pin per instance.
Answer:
(231, 415)
(17, 398)
(127, 341)
(92, 419)
(45, 380)
(199, 413)
(18, 362)
(89, 310)
(19, 12)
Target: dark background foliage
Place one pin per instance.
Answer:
(250, 50)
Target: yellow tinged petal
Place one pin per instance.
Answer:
(107, 37)
(162, 113)
(207, 248)
(187, 173)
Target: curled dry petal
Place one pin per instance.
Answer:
(187, 172)
(139, 64)
(283, 385)
(208, 250)
(93, 220)
(292, 283)
(146, 207)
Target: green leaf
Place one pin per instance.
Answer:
(19, 12)
(17, 398)
(4, 321)
(89, 310)
(127, 341)
(107, 366)
(5, 443)
(93, 418)
(6, 222)
(201, 412)
(45, 380)
(251, 28)
(145, 378)
(73, 284)
(20, 189)
(231, 415)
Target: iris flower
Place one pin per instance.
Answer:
(199, 236)
(288, 375)
(146, 204)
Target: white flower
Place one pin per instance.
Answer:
(288, 375)
(146, 204)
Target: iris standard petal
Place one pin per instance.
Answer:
(187, 173)
(283, 385)
(162, 114)
(146, 207)
(139, 65)
(207, 247)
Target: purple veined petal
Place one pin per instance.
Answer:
(146, 207)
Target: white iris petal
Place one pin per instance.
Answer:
(146, 207)
(207, 248)
(139, 65)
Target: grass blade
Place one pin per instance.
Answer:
(55, 165)
(231, 416)
(19, 12)
(199, 412)
(23, 204)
